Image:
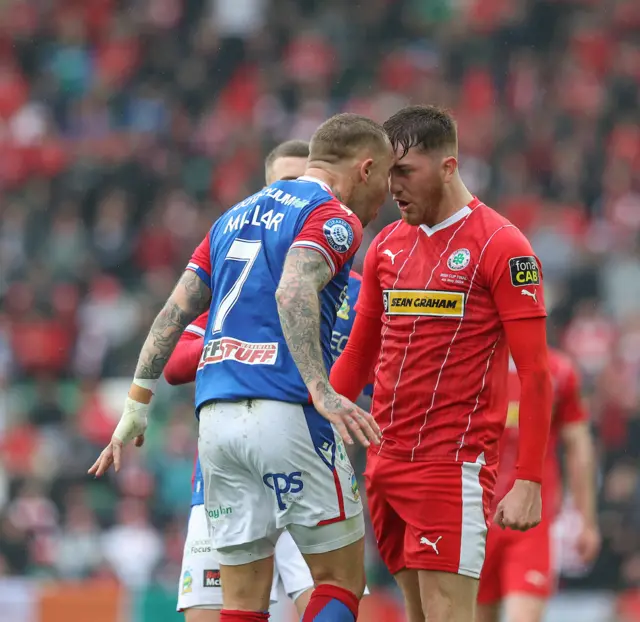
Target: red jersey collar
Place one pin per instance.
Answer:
(454, 218)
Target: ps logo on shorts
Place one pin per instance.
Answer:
(339, 234)
(524, 271)
(284, 484)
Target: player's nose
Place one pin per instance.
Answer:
(394, 182)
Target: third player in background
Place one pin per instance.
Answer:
(519, 571)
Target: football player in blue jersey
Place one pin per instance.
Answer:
(200, 599)
(273, 271)
(199, 587)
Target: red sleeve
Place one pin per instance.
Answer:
(514, 276)
(182, 366)
(199, 325)
(334, 231)
(200, 262)
(354, 367)
(370, 301)
(527, 340)
(569, 407)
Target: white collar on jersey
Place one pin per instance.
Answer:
(315, 180)
(454, 218)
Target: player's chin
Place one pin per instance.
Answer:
(410, 218)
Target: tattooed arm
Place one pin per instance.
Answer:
(189, 299)
(305, 274)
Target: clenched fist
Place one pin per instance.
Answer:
(521, 508)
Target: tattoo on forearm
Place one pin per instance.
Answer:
(305, 274)
(189, 299)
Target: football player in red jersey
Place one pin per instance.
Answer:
(518, 571)
(447, 292)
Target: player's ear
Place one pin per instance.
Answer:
(269, 176)
(449, 167)
(365, 169)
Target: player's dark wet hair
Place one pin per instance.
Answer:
(341, 136)
(288, 149)
(427, 127)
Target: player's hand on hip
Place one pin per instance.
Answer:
(131, 427)
(521, 508)
(347, 416)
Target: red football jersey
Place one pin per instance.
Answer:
(443, 293)
(567, 408)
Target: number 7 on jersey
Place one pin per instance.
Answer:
(246, 251)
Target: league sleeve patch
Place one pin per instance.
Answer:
(339, 234)
(524, 271)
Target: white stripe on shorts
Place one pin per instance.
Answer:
(474, 526)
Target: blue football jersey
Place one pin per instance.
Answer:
(245, 354)
(344, 321)
(345, 316)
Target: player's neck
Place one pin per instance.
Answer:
(333, 180)
(455, 197)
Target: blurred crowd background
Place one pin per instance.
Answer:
(128, 126)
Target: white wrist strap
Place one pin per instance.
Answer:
(145, 383)
(133, 421)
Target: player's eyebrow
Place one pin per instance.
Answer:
(288, 178)
(401, 168)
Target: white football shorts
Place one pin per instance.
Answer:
(200, 577)
(199, 584)
(290, 567)
(271, 465)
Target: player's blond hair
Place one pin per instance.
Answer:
(342, 136)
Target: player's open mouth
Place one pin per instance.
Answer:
(402, 205)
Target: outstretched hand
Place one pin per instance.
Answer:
(131, 427)
(112, 454)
